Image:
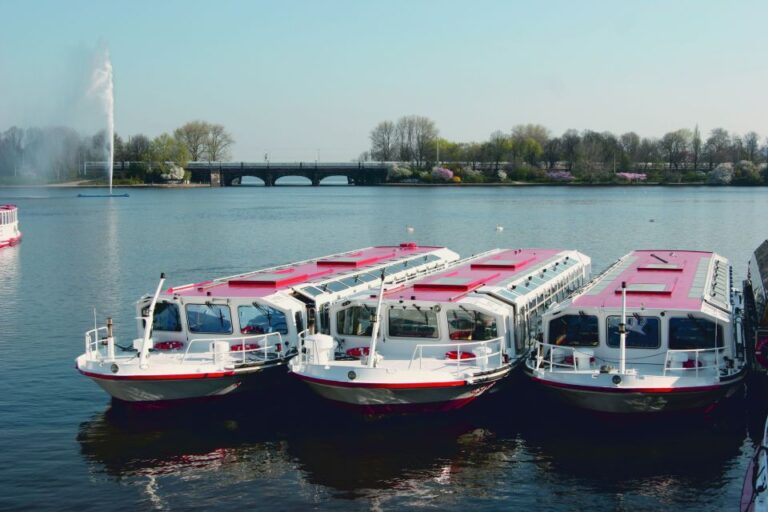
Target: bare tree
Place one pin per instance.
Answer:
(217, 143)
(424, 135)
(696, 148)
(383, 142)
(194, 135)
(752, 145)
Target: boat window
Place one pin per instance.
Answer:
(642, 331)
(694, 333)
(209, 318)
(574, 331)
(335, 286)
(413, 323)
(468, 324)
(325, 319)
(355, 321)
(165, 318)
(261, 319)
(351, 281)
(299, 321)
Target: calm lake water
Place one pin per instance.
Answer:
(64, 446)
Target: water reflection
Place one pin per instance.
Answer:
(10, 275)
(512, 449)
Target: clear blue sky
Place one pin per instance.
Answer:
(291, 77)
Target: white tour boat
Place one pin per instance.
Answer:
(204, 339)
(9, 225)
(658, 331)
(439, 342)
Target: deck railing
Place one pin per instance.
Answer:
(465, 347)
(241, 346)
(93, 339)
(568, 358)
(682, 362)
(693, 360)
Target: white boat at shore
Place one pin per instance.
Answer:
(9, 225)
(442, 341)
(212, 338)
(658, 331)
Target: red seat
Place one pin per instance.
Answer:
(169, 345)
(358, 351)
(454, 354)
(244, 346)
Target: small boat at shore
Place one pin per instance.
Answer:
(440, 342)
(9, 225)
(754, 493)
(214, 337)
(658, 331)
(756, 299)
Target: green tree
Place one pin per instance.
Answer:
(194, 135)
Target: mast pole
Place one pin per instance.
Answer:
(148, 324)
(623, 330)
(375, 321)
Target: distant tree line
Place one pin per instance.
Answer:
(53, 154)
(529, 152)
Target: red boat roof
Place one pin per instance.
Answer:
(8, 207)
(453, 284)
(661, 279)
(265, 282)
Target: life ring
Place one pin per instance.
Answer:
(761, 351)
(244, 346)
(252, 329)
(454, 354)
(169, 345)
(358, 351)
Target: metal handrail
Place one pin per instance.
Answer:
(242, 341)
(696, 353)
(92, 340)
(458, 346)
(541, 357)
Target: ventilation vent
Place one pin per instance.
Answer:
(501, 264)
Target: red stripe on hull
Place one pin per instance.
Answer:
(414, 385)
(10, 242)
(600, 389)
(187, 376)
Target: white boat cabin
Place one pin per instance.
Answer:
(493, 302)
(278, 303)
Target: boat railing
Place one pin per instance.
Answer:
(93, 339)
(240, 347)
(563, 357)
(474, 357)
(693, 361)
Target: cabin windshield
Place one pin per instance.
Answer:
(574, 331)
(642, 332)
(413, 323)
(694, 333)
(261, 319)
(468, 324)
(209, 318)
(355, 321)
(165, 318)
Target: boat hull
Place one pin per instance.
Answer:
(629, 400)
(169, 387)
(401, 398)
(10, 242)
